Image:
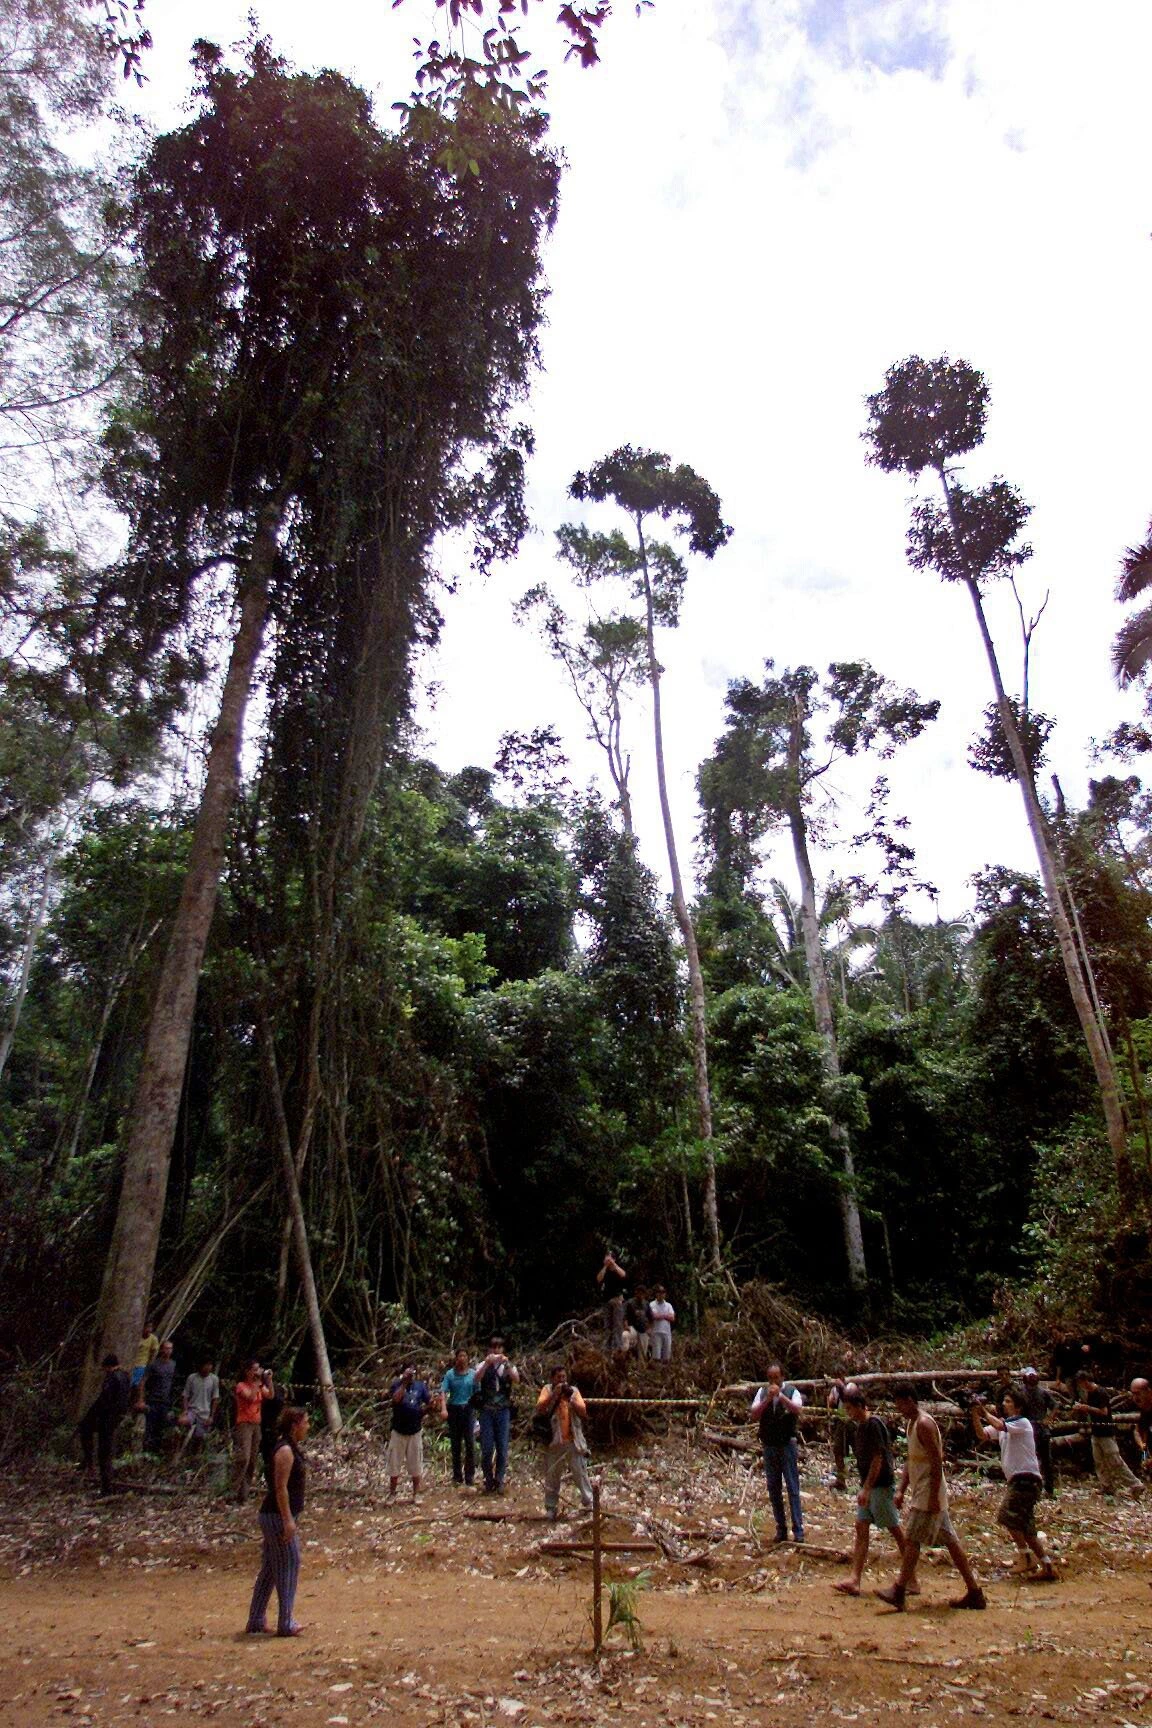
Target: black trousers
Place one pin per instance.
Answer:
(461, 1423)
(98, 1431)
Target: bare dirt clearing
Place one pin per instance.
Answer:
(129, 1611)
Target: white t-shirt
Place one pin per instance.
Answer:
(1017, 1441)
(662, 1315)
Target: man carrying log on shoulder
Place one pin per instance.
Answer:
(924, 1494)
(1093, 1408)
(875, 1503)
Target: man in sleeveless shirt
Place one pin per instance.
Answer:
(923, 1492)
(776, 1410)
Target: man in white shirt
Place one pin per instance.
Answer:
(662, 1318)
(776, 1410)
(1018, 1456)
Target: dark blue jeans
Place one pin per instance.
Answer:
(783, 1471)
(495, 1426)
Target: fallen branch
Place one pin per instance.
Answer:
(728, 1443)
(605, 1547)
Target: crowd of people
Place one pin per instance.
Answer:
(189, 1409)
(640, 1323)
(475, 1399)
(1016, 1418)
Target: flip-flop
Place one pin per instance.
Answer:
(847, 1589)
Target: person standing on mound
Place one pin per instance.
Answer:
(282, 1506)
(875, 1503)
(926, 1520)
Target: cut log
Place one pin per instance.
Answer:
(917, 1377)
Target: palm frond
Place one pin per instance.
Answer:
(1132, 648)
(1135, 571)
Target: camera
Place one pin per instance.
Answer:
(967, 1396)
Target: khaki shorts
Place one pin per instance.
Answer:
(927, 1529)
(406, 1452)
(1018, 1507)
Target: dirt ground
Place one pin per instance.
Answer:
(128, 1611)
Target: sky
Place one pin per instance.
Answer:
(767, 203)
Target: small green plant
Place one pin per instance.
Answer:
(622, 1606)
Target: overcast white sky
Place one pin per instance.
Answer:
(767, 203)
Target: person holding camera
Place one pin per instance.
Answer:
(776, 1411)
(495, 1379)
(562, 1404)
(410, 1399)
(250, 1393)
(1025, 1484)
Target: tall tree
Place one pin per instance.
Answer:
(767, 768)
(57, 267)
(645, 485)
(930, 413)
(331, 321)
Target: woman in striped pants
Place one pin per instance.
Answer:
(283, 1504)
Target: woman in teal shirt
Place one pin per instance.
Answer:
(456, 1390)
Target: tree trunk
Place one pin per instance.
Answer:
(822, 1010)
(619, 764)
(300, 1236)
(156, 1103)
(1094, 1035)
(36, 924)
(684, 920)
(64, 1154)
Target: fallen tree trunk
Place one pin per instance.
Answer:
(916, 1376)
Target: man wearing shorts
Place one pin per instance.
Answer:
(924, 1494)
(875, 1503)
(1021, 1465)
(410, 1399)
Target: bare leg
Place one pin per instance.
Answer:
(850, 1586)
(909, 1558)
(901, 1542)
(962, 1563)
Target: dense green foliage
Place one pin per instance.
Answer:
(505, 1080)
(457, 1011)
